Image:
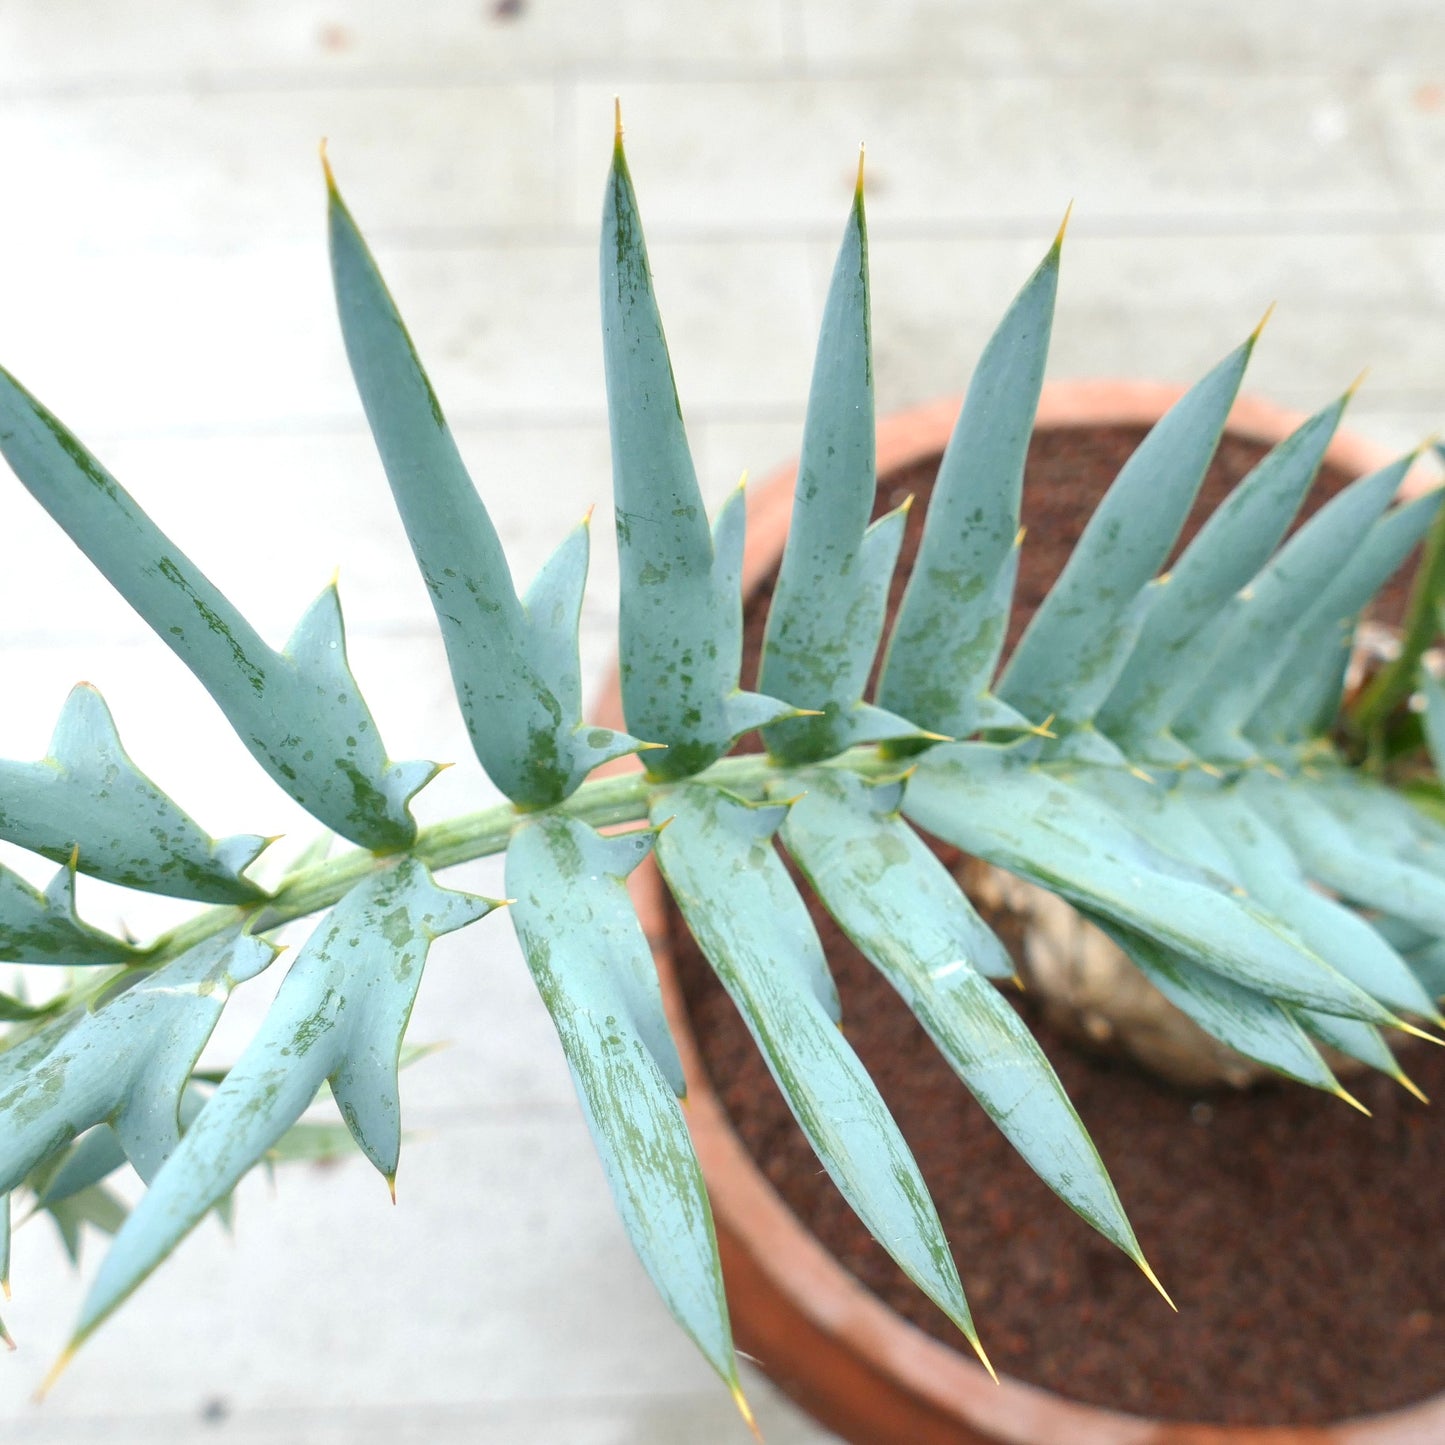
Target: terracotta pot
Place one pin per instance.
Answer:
(822, 1337)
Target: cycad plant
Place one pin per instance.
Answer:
(1157, 751)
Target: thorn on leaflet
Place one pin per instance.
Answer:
(55, 1372)
(326, 168)
(1063, 227)
(1418, 1033)
(1343, 1093)
(983, 1358)
(1154, 1280)
(391, 1186)
(745, 1410)
(1263, 322)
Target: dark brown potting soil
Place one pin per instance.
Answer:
(1303, 1243)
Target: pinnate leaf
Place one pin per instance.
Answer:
(338, 1017)
(514, 664)
(907, 915)
(757, 935)
(594, 971)
(86, 799)
(299, 711)
(680, 629)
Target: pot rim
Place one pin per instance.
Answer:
(802, 1317)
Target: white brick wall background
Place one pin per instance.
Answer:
(163, 287)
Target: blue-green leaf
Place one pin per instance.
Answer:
(880, 879)
(950, 628)
(86, 799)
(94, 1155)
(1255, 642)
(1434, 694)
(907, 915)
(747, 917)
(95, 1206)
(1255, 1026)
(1370, 809)
(1358, 1041)
(983, 800)
(299, 711)
(1331, 854)
(592, 966)
(514, 664)
(1304, 699)
(15, 1010)
(680, 634)
(339, 1016)
(1231, 547)
(1214, 828)
(42, 927)
(1078, 642)
(126, 1063)
(1267, 866)
(826, 613)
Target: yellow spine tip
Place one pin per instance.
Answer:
(744, 1409)
(587, 515)
(1411, 1087)
(858, 188)
(326, 168)
(617, 121)
(1017, 979)
(1153, 1279)
(1141, 774)
(391, 1186)
(1063, 228)
(1263, 322)
(5, 1285)
(742, 485)
(1356, 384)
(1020, 535)
(1417, 1033)
(55, 1372)
(1343, 1093)
(983, 1359)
